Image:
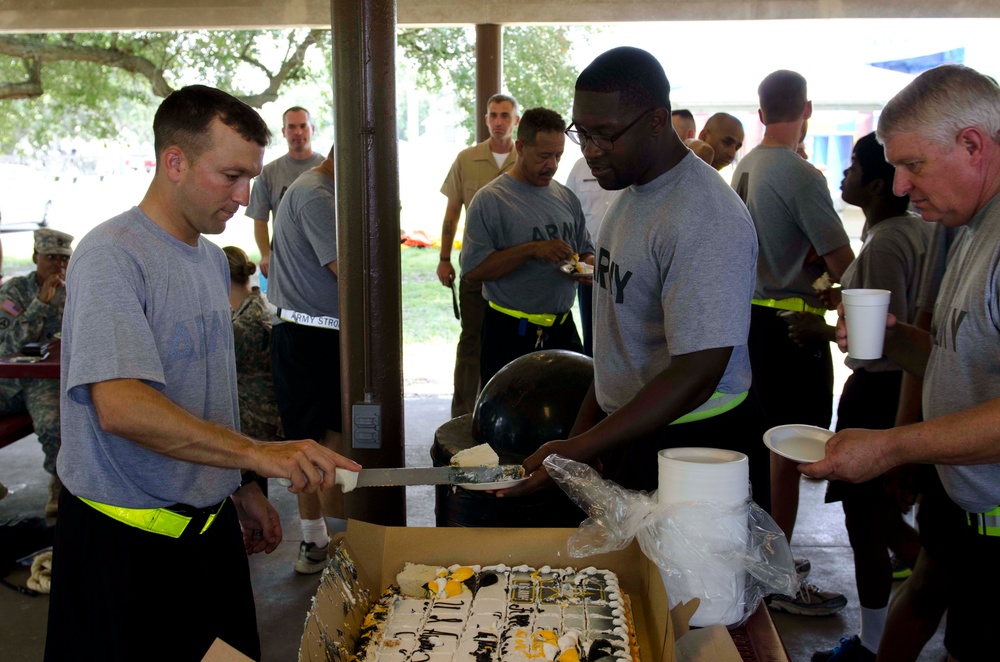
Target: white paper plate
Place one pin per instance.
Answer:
(802, 443)
(499, 485)
(568, 268)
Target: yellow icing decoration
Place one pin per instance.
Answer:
(461, 574)
(569, 655)
(452, 588)
(434, 586)
(443, 572)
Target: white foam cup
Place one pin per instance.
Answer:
(713, 573)
(865, 314)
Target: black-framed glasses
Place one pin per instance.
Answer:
(603, 143)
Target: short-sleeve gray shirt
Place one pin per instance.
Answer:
(891, 259)
(271, 184)
(506, 213)
(143, 305)
(964, 367)
(792, 212)
(674, 274)
(304, 242)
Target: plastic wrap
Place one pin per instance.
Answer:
(683, 540)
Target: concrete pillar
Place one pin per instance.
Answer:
(364, 92)
(489, 71)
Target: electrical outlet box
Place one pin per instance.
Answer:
(366, 426)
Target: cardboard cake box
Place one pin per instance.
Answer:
(369, 557)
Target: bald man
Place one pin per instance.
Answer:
(724, 134)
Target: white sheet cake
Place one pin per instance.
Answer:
(501, 614)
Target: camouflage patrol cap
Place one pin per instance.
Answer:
(53, 242)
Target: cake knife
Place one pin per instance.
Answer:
(379, 477)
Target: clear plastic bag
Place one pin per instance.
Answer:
(698, 549)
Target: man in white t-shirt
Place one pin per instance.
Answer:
(595, 202)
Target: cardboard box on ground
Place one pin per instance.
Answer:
(370, 556)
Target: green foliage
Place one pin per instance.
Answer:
(106, 85)
(537, 67)
(83, 99)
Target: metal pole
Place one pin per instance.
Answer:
(364, 66)
(489, 71)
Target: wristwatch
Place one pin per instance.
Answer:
(248, 477)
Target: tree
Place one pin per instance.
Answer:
(105, 85)
(537, 66)
(90, 84)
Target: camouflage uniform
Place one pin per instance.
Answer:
(24, 318)
(259, 418)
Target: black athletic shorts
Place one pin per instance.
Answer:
(960, 551)
(305, 362)
(869, 401)
(120, 593)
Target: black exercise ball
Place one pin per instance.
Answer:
(533, 399)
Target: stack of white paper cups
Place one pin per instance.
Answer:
(711, 561)
(865, 315)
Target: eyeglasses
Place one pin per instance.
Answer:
(603, 143)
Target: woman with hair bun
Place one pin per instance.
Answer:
(259, 417)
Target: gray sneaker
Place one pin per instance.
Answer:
(802, 568)
(312, 559)
(808, 601)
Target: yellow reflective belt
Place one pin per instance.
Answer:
(986, 524)
(538, 319)
(155, 520)
(793, 303)
(731, 401)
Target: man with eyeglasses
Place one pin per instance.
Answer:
(31, 310)
(801, 237)
(524, 235)
(673, 278)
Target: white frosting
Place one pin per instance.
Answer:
(521, 615)
(482, 455)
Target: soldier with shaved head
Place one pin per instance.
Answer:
(724, 134)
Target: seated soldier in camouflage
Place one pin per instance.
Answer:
(31, 310)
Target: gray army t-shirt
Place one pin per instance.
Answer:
(891, 259)
(506, 213)
(792, 212)
(674, 274)
(304, 242)
(271, 184)
(143, 305)
(964, 366)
